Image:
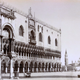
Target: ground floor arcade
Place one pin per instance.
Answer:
(29, 66)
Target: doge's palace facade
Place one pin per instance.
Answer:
(27, 44)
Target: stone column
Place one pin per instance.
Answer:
(41, 68)
(37, 69)
(0, 51)
(44, 69)
(6, 49)
(47, 69)
(18, 54)
(11, 55)
(11, 68)
(53, 69)
(50, 69)
(33, 69)
(18, 69)
(58, 69)
(66, 68)
(23, 70)
(1, 44)
(6, 69)
(28, 67)
(0, 66)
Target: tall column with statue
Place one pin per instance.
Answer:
(66, 60)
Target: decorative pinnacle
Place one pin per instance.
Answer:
(65, 51)
(30, 11)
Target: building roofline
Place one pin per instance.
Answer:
(25, 15)
(47, 25)
(13, 8)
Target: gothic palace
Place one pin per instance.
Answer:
(27, 44)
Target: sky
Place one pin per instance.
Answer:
(64, 14)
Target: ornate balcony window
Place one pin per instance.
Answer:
(21, 30)
(40, 37)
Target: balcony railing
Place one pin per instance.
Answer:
(39, 59)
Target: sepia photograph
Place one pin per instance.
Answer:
(39, 39)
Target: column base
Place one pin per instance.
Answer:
(32, 69)
(28, 69)
(36, 69)
(16, 77)
(10, 77)
(44, 69)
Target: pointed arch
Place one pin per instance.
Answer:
(21, 67)
(31, 66)
(46, 66)
(3, 66)
(35, 66)
(21, 30)
(49, 66)
(39, 66)
(16, 66)
(56, 43)
(49, 40)
(26, 67)
(40, 36)
(9, 28)
(42, 66)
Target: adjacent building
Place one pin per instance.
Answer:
(27, 44)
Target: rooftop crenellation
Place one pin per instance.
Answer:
(26, 15)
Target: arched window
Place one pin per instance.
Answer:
(56, 42)
(21, 31)
(49, 40)
(40, 37)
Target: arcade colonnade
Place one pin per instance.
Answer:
(30, 58)
(25, 66)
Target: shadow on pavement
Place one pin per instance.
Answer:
(7, 77)
(50, 77)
